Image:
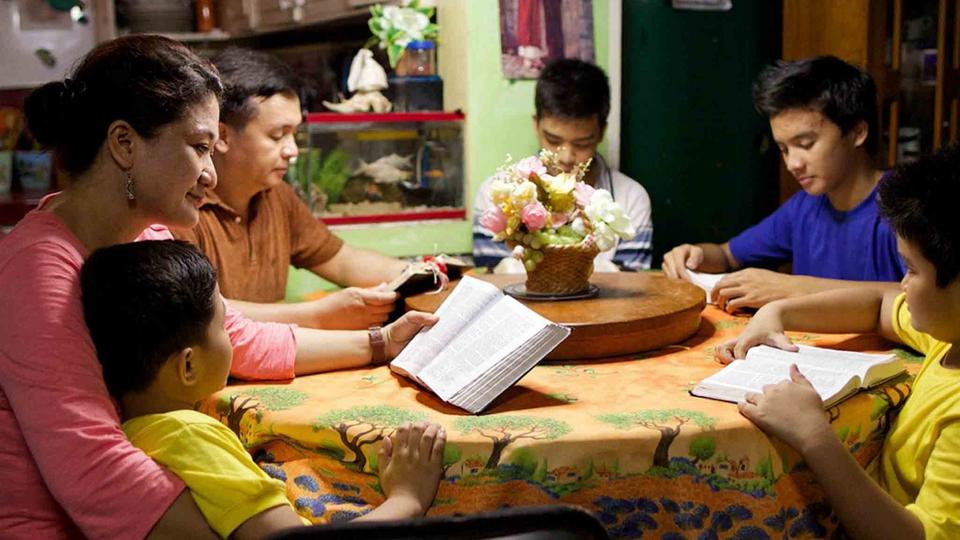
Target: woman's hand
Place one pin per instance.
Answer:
(765, 328)
(397, 334)
(791, 411)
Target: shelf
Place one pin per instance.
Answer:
(366, 118)
(427, 215)
(193, 37)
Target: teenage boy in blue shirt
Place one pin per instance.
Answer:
(823, 116)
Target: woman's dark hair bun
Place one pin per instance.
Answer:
(45, 110)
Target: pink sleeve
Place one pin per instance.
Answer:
(52, 380)
(260, 350)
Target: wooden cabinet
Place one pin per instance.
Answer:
(246, 17)
(912, 50)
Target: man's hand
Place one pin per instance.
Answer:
(679, 259)
(398, 333)
(753, 288)
(790, 410)
(353, 308)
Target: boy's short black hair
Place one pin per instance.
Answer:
(843, 93)
(919, 200)
(572, 89)
(250, 74)
(144, 301)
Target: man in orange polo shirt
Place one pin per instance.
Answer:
(253, 226)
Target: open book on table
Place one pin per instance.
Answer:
(483, 343)
(835, 375)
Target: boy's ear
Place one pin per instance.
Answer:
(187, 368)
(226, 138)
(859, 133)
(536, 125)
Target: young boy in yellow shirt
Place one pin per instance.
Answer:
(915, 492)
(165, 295)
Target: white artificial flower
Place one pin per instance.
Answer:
(560, 184)
(608, 219)
(524, 194)
(579, 226)
(408, 20)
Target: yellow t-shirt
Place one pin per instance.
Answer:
(228, 487)
(920, 460)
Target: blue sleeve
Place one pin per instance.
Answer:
(769, 242)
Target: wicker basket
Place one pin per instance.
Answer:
(565, 269)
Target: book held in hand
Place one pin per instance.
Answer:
(483, 343)
(705, 281)
(835, 374)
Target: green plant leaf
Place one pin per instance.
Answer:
(394, 52)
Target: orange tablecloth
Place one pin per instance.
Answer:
(621, 437)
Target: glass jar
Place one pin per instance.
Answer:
(419, 60)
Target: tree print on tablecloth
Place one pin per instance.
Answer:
(668, 422)
(232, 408)
(503, 430)
(364, 425)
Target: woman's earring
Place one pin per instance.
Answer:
(130, 194)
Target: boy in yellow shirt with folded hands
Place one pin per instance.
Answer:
(157, 320)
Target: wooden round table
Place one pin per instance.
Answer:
(634, 312)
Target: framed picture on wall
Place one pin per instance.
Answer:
(533, 32)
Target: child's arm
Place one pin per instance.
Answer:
(756, 287)
(410, 467)
(712, 258)
(793, 412)
(840, 311)
(267, 522)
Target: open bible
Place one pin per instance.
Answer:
(483, 343)
(835, 375)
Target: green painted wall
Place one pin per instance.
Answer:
(499, 110)
(498, 122)
(690, 133)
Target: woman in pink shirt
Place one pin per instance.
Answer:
(133, 132)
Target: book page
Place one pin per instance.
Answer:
(747, 376)
(705, 281)
(508, 371)
(848, 363)
(468, 299)
(501, 329)
(834, 374)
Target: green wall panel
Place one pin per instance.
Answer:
(690, 133)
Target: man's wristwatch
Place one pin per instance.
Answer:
(378, 345)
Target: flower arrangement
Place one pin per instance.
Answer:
(537, 205)
(394, 27)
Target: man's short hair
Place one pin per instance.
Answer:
(572, 89)
(250, 74)
(843, 93)
(143, 302)
(919, 200)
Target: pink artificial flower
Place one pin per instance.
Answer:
(494, 220)
(534, 216)
(558, 218)
(582, 192)
(531, 165)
